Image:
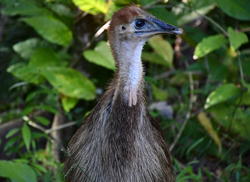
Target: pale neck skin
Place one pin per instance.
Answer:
(130, 68)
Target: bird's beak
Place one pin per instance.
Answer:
(162, 27)
(157, 27)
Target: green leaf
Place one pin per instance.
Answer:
(43, 58)
(70, 82)
(230, 117)
(22, 7)
(92, 7)
(51, 29)
(47, 108)
(153, 58)
(238, 9)
(208, 45)
(163, 48)
(12, 132)
(184, 14)
(112, 7)
(222, 94)
(101, 55)
(159, 94)
(26, 73)
(68, 103)
(26, 48)
(164, 15)
(195, 144)
(236, 39)
(26, 136)
(17, 172)
(42, 120)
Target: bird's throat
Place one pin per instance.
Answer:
(131, 71)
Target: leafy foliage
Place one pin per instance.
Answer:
(53, 60)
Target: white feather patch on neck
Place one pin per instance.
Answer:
(131, 69)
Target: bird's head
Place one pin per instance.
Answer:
(132, 26)
(132, 23)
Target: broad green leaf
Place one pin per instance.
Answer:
(22, 7)
(184, 15)
(51, 29)
(42, 120)
(70, 82)
(237, 119)
(26, 48)
(208, 45)
(17, 172)
(44, 58)
(26, 73)
(164, 15)
(236, 39)
(206, 123)
(153, 58)
(238, 9)
(68, 103)
(159, 94)
(163, 48)
(101, 55)
(12, 132)
(222, 94)
(92, 7)
(26, 136)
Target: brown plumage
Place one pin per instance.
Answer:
(119, 140)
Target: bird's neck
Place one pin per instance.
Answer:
(130, 70)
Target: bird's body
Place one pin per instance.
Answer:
(119, 140)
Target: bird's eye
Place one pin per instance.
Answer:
(139, 23)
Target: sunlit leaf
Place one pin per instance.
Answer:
(17, 172)
(68, 103)
(163, 48)
(92, 7)
(222, 94)
(238, 9)
(206, 123)
(236, 39)
(70, 82)
(26, 136)
(208, 45)
(101, 55)
(51, 29)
